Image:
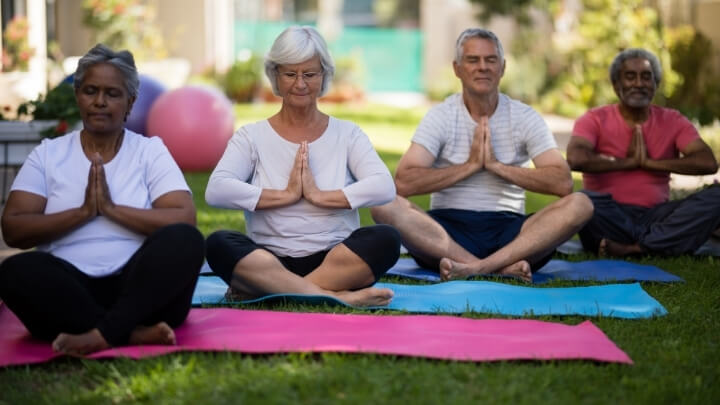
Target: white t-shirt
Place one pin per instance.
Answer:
(517, 134)
(57, 170)
(258, 158)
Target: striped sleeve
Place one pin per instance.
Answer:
(537, 134)
(431, 132)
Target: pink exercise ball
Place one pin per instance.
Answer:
(195, 123)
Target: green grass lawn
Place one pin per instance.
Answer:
(677, 357)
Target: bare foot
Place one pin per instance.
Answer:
(450, 270)
(159, 334)
(519, 270)
(79, 345)
(609, 248)
(367, 297)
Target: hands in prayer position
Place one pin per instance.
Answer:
(637, 149)
(98, 200)
(301, 183)
(481, 151)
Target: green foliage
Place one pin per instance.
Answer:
(605, 27)
(58, 104)
(242, 80)
(711, 136)
(698, 96)
(125, 24)
(16, 52)
(515, 8)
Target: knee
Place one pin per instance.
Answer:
(254, 261)
(186, 237)
(185, 242)
(220, 242)
(579, 206)
(388, 237)
(385, 214)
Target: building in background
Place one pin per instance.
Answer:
(387, 45)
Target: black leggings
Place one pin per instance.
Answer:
(51, 296)
(377, 245)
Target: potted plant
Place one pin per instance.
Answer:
(52, 115)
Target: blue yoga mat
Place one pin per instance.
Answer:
(592, 270)
(614, 300)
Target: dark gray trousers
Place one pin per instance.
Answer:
(671, 228)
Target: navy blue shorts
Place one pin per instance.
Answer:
(481, 233)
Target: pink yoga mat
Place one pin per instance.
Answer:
(438, 337)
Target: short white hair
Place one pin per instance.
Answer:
(297, 44)
(477, 33)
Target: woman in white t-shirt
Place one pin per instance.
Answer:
(112, 218)
(300, 177)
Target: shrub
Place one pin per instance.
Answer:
(698, 96)
(58, 104)
(242, 80)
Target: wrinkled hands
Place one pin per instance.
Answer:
(481, 155)
(302, 183)
(97, 193)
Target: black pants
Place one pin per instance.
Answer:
(51, 296)
(377, 245)
(671, 228)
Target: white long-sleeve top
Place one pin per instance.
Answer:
(258, 158)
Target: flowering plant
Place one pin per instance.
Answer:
(125, 24)
(16, 52)
(58, 104)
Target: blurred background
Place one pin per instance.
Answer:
(393, 51)
(393, 60)
(388, 52)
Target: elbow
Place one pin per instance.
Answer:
(574, 162)
(564, 189)
(211, 196)
(712, 167)
(388, 191)
(15, 242)
(403, 188)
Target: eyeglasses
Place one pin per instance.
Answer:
(308, 77)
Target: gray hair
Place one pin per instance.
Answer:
(635, 53)
(477, 33)
(296, 45)
(121, 60)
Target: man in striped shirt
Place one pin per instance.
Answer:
(472, 152)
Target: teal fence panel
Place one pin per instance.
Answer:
(391, 58)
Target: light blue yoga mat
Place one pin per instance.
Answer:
(614, 300)
(591, 270)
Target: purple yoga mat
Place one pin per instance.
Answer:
(432, 336)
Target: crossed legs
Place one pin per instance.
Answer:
(671, 228)
(82, 314)
(539, 235)
(342, 273)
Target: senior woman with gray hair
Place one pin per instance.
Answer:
(112, 218)
(300, 177)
